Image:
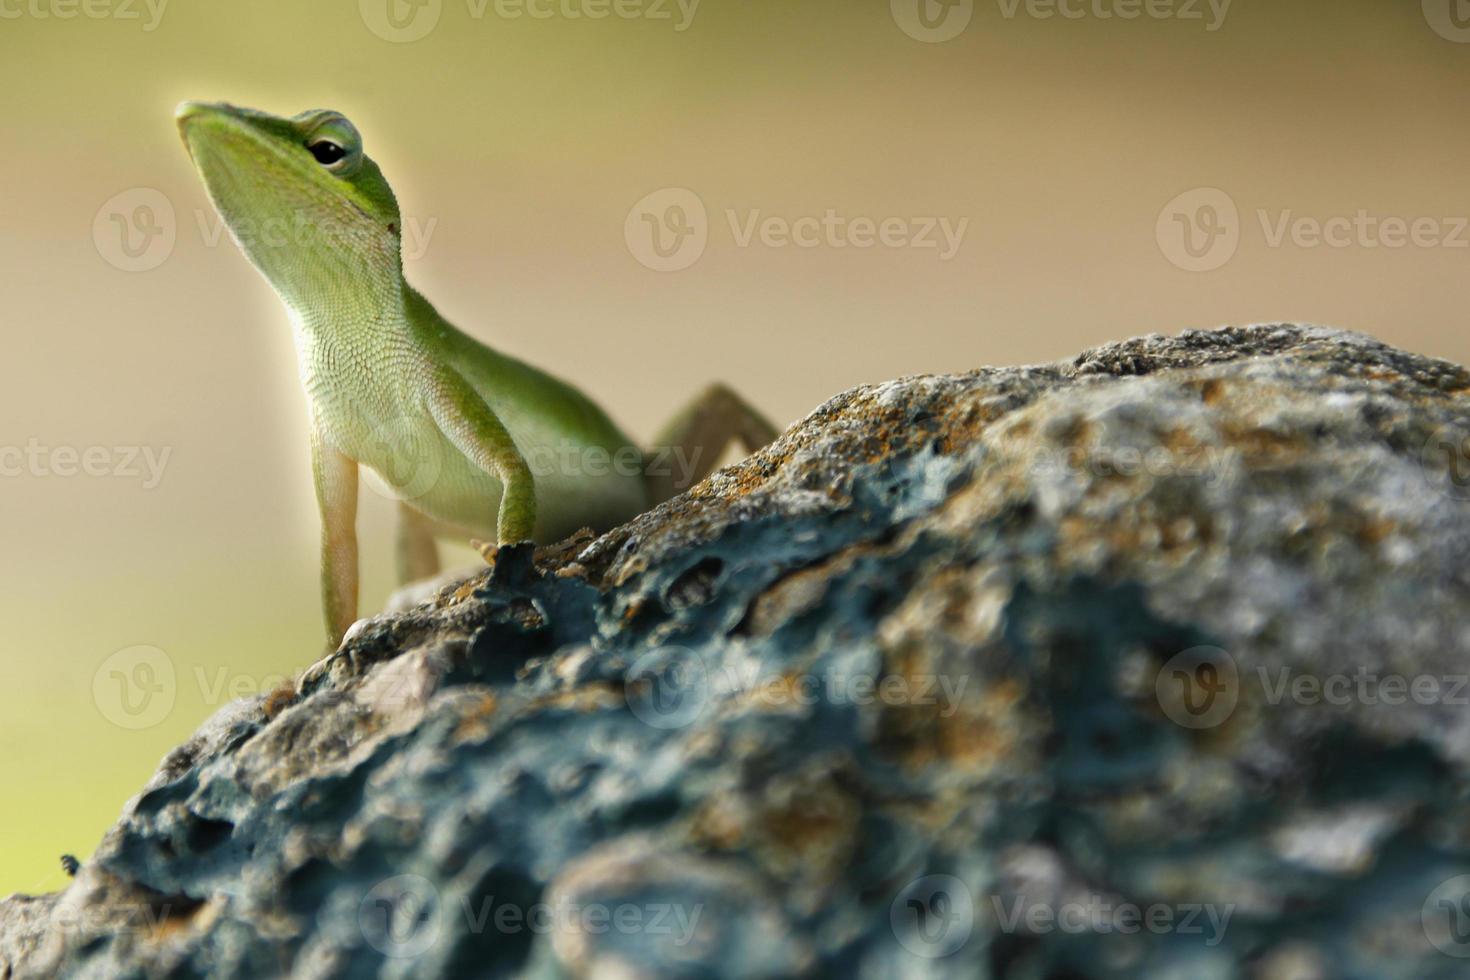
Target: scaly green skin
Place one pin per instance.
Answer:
(450, 425)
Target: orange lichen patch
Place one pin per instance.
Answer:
(973, 735)
(1079, 533)
(799, 591)
(1180, 442)
(1258, 444)
(812, 826)
(468, 589)
(1075, 433)
(1135, 529)
(719, 824)
(792, 690)
(474, 722)
(965, 423)
(592, 697)
(1212, 391)
(634, 609)
(279, 700)
(1373, 529)
(1382, 373)
(166, 918)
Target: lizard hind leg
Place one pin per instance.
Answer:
(690, 447)
(417, 552)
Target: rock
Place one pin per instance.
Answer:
(1147, 664)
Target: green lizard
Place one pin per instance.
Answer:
(473, 443)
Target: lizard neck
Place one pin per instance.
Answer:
(350, 307)
(346, 336)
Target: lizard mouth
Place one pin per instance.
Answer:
(232, 154)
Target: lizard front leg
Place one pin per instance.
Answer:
(335, 476)
(475, 430)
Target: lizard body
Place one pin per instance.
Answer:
(473, 443)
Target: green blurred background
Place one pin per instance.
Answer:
(519, 144)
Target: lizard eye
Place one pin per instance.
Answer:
(332, 141)
(326, 152)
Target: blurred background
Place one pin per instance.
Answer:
(843, 192)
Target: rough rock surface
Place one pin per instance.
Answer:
(1006, 674)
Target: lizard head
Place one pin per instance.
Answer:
(299, 197)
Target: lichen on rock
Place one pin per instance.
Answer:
(1145, 664)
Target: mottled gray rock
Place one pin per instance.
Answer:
(1146, 664)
